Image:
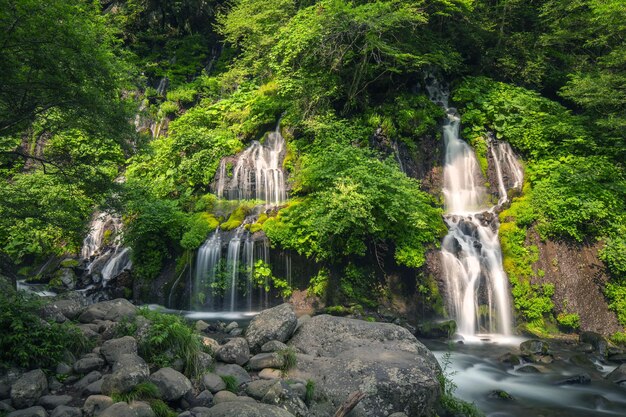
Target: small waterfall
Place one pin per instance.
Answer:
(232, 267)
(249, 268)
(477, 287)
(119, 262)
(256, 174)
(207, 262)
(505, 164)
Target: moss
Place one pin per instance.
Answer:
(480, 148)
(168, 108)
(258, 225)
(198, 228)
(235, 219)
(69, 263)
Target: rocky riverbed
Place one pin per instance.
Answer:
(281, 366)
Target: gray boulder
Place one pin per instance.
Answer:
(88, 379)
(618, 375)
(26, 391)
(223, 397)
(142, 409)
(171, 384)
(266, 360)
(65, 411)
(95, 404)
(114, 310)
(240, 374)
(213, 382)
(276, 323)
(114, 348)
(204, 399)
(50, 402)
(234, 351)
(269, 373)
(88, 364)
(596, 340)
(244, 409)
(386, 362)
(62, 310)
(128, 371)
(257, 389)
(94, 388)
(36, 411)
(118, 410)
(273, 346)
(534, 347)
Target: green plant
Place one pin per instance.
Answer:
(447, 400)
(231, 383)
(146, 391)
(569, 321)
(126, 327)
(619, 338)
(290, 360)
(310, 391)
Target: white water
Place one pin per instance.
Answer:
(477, 287)
(207, 260)
(257, 173)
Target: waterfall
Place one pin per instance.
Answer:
(119, 262)
(207, 262)
(105, 254)
(257, 173)
(232, 267)
(477, 287)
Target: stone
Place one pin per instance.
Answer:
(224, 396)
(596, 340)
(234, 351)
(534, 347)
(437, 329)
(201, 326)
(213, 382)
(26, 391)
(171, 384)
(585, 347)
(204, 399)
(618, 375)
(618, 358)
(276, 323)
(36, 411)
(205, 361)
(62, 310)
(582, 379)
(499, 394)
(86, 365)
(114, 310)
(257, 389)
(88, 379)
(50, 402)
(142, 409)
(95, 404)
(528, 369)
(118, 410)
(63, 369)
(398, 415)
(510, 359)
(5, 407)
(210, 343)
(94, 388)
(266, 360)
(65, 411)
(114, 348)
(269, 373)
(273, 346)
(386, 361)
(231, 326)
(236, 332)
(54, 385)
(128, 371)
(240, 374)
(244, 409)
(302, 319)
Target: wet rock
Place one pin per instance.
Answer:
(344, 355)
(534, 347)
(234, 351)
(240, 374)
(276, 323)
(201, 326)
(114, 348)
(619, 358)
(618, 375)
(27, 390)
(436, 330)
(510, 359)
(231, 326)
(528, 369)
(596, 340)
(95, 404)
(128, 371)
(114, 310)
(88, 364)
(65, 411)
(36, 411)
(171, 384)
(585, 347)
(582, 379)
(213, 382)
(583, 361)
(500, 395)
(273, 346)
(50, 402)
(90, 378)
(266, 360)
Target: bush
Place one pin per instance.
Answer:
(26, 340)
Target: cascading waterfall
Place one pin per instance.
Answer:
(207, 261)
(232, 267)
(477, 287)
(257, 173)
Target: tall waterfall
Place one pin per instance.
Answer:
(477, 286)
(257, 172)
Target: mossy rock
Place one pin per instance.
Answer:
(69, 263)
(437, 330)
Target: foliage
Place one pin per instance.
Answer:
(615, 291)
(198, 228)
(170, 338)
(231, 383)
(310, 391)
(263, 277)
(31, 342)
(290, 359)
(146, 391)
(447, 401)
(569, 321)
(318, 283)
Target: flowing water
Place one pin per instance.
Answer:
(476, 285)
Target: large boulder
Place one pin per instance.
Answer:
(128, 371)
(114, 348)
(171, 384)
(266, 360)
(27, 390)
(114, 310)
(234, 351)
(618, 375)
(88, 363)
(96, 404)
(276, 323)
(36, 411)
(244, 409)
(213, 382)
(396, 372)
(62, 310)
(234, 370)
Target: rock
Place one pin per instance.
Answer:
(86, 365)
(276, 323)
(65, 411)
(618, 375)
(243, 409)
(128, 371)
(437, 330)
(5, 390)
(498, 394)
(280, 394)
(583, 361)
(5, 407)
(224, 396)
(171, 384)
(273, 346)
(63, 369)
(534, 347)
(234, 351)
(36, 411)
(585, 347)
(618, 358)
(205, 361)
(596, 340)
(62, 310)
(204, 399)
(114, 348)
(302, 319)
(201, 326)
(231, 326)
(26, 391)
(88, 379)
(142, 409)
(118, 410)
(269, 373)
(54, 384)
(114, 310)
(582, 379)
(95, 404)
(266, 360)
(236, 332)
(258, 389)
(211, 343)
(213, 382)
(398, 415)
(240, 374)
(94, 388)
(510, 359)
(528, 369)
(50, 402)
(383, 360)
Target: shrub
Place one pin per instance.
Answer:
(569, 321)
(231, 383)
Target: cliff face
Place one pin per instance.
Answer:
(579, 278)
